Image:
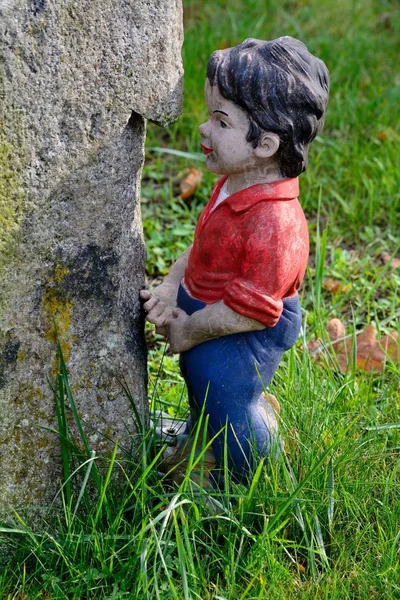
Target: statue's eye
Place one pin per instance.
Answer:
(223, 124)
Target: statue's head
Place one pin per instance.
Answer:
(282, 88)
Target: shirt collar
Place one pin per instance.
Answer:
(287, 189)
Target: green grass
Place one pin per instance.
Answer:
(323, 520)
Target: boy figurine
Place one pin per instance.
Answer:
(229, 305)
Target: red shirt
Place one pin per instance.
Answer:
(251, 251)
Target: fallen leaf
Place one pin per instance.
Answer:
(384, 20)
(190, 183)
(301, 567)
(371, 353)
(386, 257)
(381, 135)
(335, 286)
(336, 329)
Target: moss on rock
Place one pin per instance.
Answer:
(13, 159)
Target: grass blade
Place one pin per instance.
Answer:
(330, 492)
(189, 155)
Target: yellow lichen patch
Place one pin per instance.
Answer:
(42, 442)
(86, 383)
(30, 396)
(58, 313)
(13, 158)
(11, 197)
(33, 395)
(59, 273)
(21, 356)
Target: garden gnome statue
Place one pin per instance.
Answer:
(230, 303)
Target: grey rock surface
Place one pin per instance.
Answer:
(78, 79)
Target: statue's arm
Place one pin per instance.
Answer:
(212, 321)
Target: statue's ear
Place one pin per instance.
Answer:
(268, 145)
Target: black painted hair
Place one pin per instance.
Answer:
(282, 87)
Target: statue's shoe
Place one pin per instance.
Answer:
(179, 455)
(200, 461)
(167, 429)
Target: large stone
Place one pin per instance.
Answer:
(78, 79)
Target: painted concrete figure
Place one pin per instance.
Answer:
(230, 304)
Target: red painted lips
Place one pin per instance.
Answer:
(206, 150)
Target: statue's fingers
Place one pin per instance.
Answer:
(160, 311)
(150, 304)
(158, 318)
(152, 318)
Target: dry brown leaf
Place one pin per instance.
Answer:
(386, 257)
(335, 286)
(315, 346)
(385, 20)
(371, 353)
(190, 183)
(301, 567)
(381, 135)
(336, 329)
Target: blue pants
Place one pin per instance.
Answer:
(229, 374)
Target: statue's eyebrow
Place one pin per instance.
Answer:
(222, 112)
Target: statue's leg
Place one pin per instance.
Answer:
(225, 381)
(227, 377)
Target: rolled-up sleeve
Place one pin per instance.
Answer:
(245, 299)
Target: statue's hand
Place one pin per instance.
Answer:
(166, 293)
(158, 308)
(179, 333)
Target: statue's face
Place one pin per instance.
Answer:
(223, 136)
